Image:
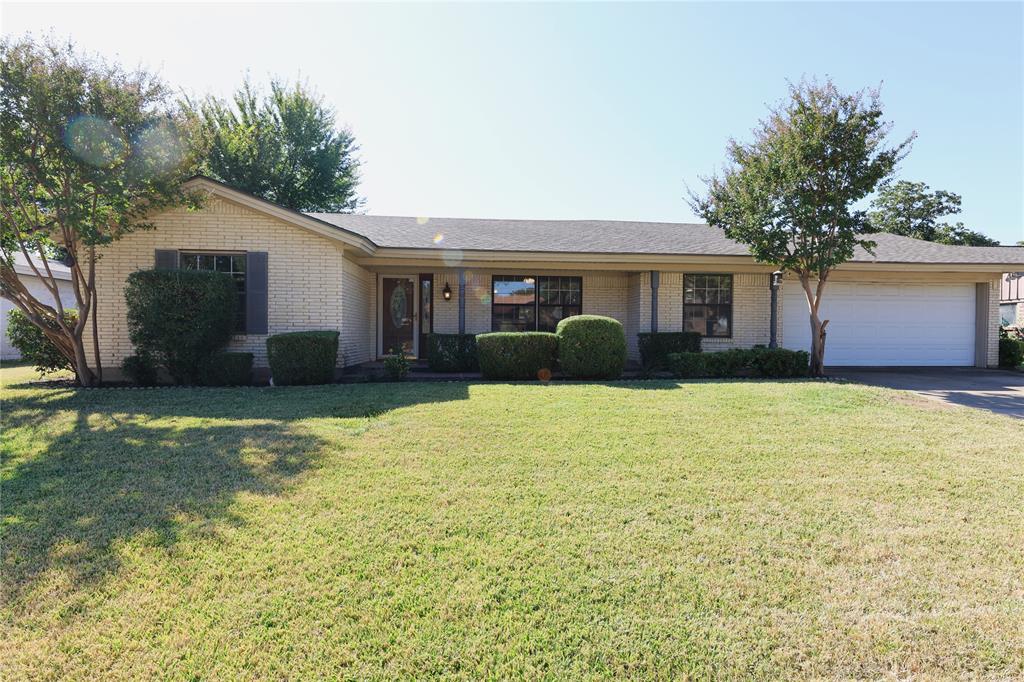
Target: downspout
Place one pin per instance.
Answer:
(655, 282)
(462, 301)
(773, 327)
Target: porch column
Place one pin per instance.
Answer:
(773, 325)
(462, 301)
(655, 282)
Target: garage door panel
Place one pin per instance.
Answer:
(887, 324)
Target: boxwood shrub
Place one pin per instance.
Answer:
(227, 369)
(764, 362)
(180, 317)
(591, 347)
(655, 347)
(516, 355)
(452, 353)
(302, 357)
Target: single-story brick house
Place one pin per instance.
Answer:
(386, 282)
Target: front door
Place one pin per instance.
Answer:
(398, 316)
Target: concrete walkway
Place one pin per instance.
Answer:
(1000, 391)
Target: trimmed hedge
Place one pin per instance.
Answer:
(180, 317)
(591, 347)
(779, 363)
(1011, 352)
(32, 343)
(452, 353)
(516, 355)
(655, 347)
(302, 357)
(227, 369)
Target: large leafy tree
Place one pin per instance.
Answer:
(283, 146)
(790, 193)
(909, 209)
(87, 152)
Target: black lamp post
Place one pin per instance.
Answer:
(776, 282)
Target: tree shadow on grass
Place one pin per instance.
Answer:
(122, 465)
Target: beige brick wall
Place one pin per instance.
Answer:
(993, 321)
(359, 322)
(305, 272)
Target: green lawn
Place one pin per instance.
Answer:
(647, 530)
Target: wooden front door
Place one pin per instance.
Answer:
(398, 315)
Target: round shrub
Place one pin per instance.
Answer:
(32, 343)
(302, 357)
(687, 365)
(516, 355)
(180, 317)
(591, 347)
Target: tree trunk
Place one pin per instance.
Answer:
(84, 375)
(817, 366)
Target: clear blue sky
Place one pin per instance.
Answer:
(593, 110)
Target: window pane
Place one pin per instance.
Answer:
(513, 290)
(222, 263)
(238, 263)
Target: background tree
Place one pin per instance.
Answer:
(789, 194)
(87, 152)
(283, 147)
(909, 209)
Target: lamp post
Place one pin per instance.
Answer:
(776, 282)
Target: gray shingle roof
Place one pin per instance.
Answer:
(621, 237)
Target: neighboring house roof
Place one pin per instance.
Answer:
(58, 269)
(611, 236)
(1012, 289)
(372, 234)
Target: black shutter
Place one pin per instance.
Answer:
(256, 292)
(166, 259)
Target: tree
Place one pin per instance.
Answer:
(283, 147)
(87, 152)
(789, 194)
(909, 209)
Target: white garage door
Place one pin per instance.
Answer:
(886, 324)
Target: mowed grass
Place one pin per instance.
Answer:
(647, 530)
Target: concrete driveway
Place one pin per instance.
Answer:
(999, 391)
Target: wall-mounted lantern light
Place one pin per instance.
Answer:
(446, 292)
(777, 279)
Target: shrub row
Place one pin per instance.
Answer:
(452, 353)
(583, 347)
(655, 347)
(764, 362)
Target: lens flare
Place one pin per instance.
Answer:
(544, 374)
(452, 257)
(95, 141)
(422, 221)
(438, 238)
(157, 150)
